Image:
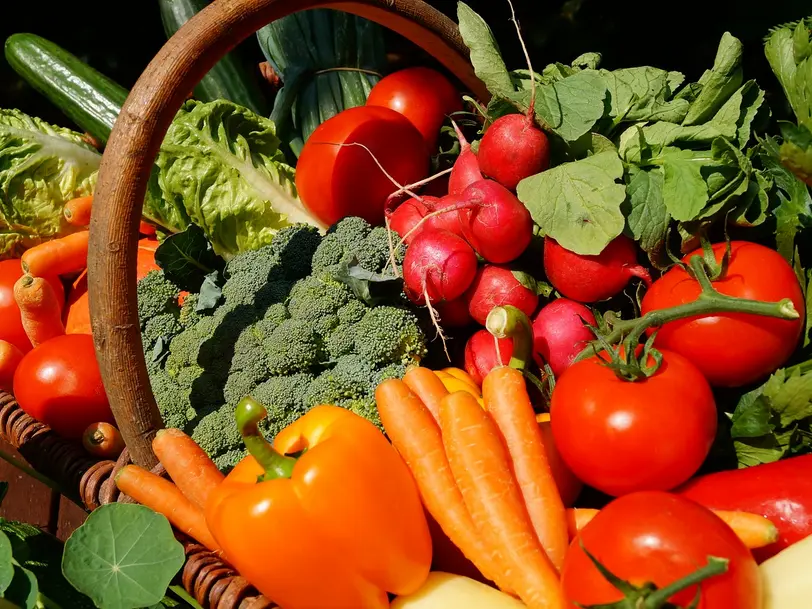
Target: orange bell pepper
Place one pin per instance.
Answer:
(336, 527)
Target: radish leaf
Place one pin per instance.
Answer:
(647, 216)
(486, 57)
(685, 193)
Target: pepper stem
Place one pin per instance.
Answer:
(276, 465)
(509, 322)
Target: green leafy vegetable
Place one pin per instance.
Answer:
(647, 214)
(571, 106)
(684, 191)
(123, 557)
(187, 258)
(41, 167)
(6, 565)
(578, 203)
(485, 55)
(644, 94)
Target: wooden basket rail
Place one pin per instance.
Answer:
(125, 169)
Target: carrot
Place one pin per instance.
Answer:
(190, 468)
(506, 399)
(103, 440)
(427, 386)
(415, 434)
(40, 310)
(482, 468)
(57, 257)
(754, 530)
(10, 358)
(77, 211)
(160, 495)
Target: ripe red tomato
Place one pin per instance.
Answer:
(659, 537)
(59, 384)
(336, 180)
(422, 95)
(732, 349)
(620, 436)
(11, 325)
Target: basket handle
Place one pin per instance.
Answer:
(134, 143)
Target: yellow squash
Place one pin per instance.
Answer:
(447, 591)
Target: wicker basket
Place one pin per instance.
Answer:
(125, 168)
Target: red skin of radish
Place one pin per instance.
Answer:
(480, 354)
(406, 216)
(495, 286)
(559, 333)
(439, 263)
(513, 149)
(454, 313)
(437, 187)
(465, 171)
(497, 225)
(450, 220)
(593, 278)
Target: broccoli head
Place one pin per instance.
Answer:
(156, 295)
(389, 334)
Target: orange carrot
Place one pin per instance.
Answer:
(103, 440)
(40, 309)
(77, 211)
(427, 386)
(145, 228)
(416, 436)
(10, 358)
(160, 495)
(754, 530)
(482, 468)
(190, 468)
(506, 399)
(57, 257)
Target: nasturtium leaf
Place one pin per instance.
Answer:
(187, 258)
(123, 557)
(23, 590)
(578, 203)
(485, 55)
(6, 563)
(685, 193)
(647, 216)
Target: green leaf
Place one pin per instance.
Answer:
(539, 288)
(371, 288)
(41, 167)
(6, 563)
(790, 399)
(755, 453)
(578, 203)
(718, 83)
(571, 106)
(796, 151)
(642, 94)
(752, 100)
(24, 589)
(752, 417)
(485, 55)
(807, 338)
(210, 292)
(187, 258)
(647, 215)
(685, 192)
(124, 556)
(787, 51)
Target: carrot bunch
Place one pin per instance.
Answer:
(182, 500)
(484, 477)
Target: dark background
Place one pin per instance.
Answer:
(120, 41)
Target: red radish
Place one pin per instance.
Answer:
(454, 313)
(497, 225)
(448, 220)
(495, 286)
(559, 333)
(406, 216)
(593, 278)
(466, 168)
(481, 356)
(513, 149)
(438, 266)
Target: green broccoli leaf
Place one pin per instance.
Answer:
(187, 258)
(578, 203)
(647, 215)
(124, 556)
(718, 83)
(486, 57)
(210, 292)
(370, 288)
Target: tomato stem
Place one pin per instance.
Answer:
(715, 566)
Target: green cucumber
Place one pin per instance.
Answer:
(90, 99)
(229, 79)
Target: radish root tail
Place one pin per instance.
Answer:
(435, 320)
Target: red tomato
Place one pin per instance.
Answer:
(422, 95)
(11, 325)
(620, 436)
(335, 181)
(59, 384)
(732, 349)
(659, 537)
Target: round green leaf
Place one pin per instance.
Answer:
(123, 557)
(24, 590)
(6, 564)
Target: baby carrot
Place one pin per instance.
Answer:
(481, 466)
(161, 495)
(506, 399)
(10, 358)
(427, 386)
(77, 211)
(57, 257)
(40, 309)
(190, 468)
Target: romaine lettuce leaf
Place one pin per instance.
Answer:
(41, 167)
(222, 164)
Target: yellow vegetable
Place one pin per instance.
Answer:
(787, 584)
(455, 379)
(460, 374)
(447, 591)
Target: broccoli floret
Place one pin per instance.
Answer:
(389, 334)
(313, 298)
(350, 379)
(255, 278)
(216, 432)
(352, 312)
(366, 408)
(294, 247)
(375, 253)
(340, 341)
(342, 240)
(188, 315)
(164, 325)
(156, 295)
(292, 347)
(276, 313)
(283, 397)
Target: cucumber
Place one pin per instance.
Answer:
(229, 78)
(90, 99)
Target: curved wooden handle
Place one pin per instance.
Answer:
(131, 151)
